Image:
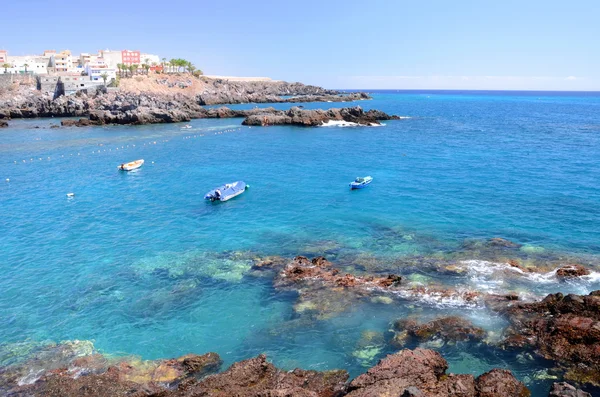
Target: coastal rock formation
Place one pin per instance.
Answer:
(447, 329)
(223, 91)
(564, 389)
(416, 372)
(149, 104)
(3, 124)
(324, 290)
(565, 329)
(74, 369)
(571, 271)
(422, 372)
(257, 377)
(312, 118)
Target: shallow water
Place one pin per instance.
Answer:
(140, 264)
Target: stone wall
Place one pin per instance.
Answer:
(6, 80)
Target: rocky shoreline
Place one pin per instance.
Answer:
(253, 117)
(170, 106)
(563, 329)
(78, 370)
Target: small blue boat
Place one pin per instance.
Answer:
(361, 182)
(227, 191)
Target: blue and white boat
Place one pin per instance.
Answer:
(227, 191)
(361, 182)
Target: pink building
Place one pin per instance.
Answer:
(3, 56)
(130, 57)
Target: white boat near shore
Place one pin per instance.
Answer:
(133, 165)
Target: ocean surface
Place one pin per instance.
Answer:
(141, 265)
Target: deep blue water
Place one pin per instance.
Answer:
(140, 264)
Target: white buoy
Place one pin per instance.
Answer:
(70, 194)
(7, 180)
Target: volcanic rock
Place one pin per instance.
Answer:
(565, 329)
(422, 372)
(571, 271)
(447, 329)
(257, 377)
(564, 389)
(312, 118)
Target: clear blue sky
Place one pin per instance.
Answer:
(526, 44)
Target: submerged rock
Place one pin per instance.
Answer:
(447, 329)
(3, 124)
(96, 375)
(564, 389)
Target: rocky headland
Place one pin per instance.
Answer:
(172, 99)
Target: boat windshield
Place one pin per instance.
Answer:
(360, 180)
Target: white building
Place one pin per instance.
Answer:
(96, 74)
(27, 63)
(97, 67)
(149, 59)
(112, 58)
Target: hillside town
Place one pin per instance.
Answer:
(88, 70)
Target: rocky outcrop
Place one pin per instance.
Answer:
(257, 377)
(222, 91)
(159, 107)
(416, 372)
(312, 118)
(446, 329)
(565, 329)
(563, 389)
(571, 271)
(3, 124)
(75, 369)
(422, 372)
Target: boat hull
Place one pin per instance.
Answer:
(227, 191)
(361, 185)
(134, 165)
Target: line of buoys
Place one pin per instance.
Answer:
(134, 145)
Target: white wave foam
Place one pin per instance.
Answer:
(490, 276)
(439, 298)
(342, 123)
(339, 123)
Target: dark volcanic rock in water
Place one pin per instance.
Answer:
(313, 118)
(571, 271)
(3, 124)
(423, 372)
(563, 389)
(447, 329)
(565, 329)
(95, 375)
(257, 377)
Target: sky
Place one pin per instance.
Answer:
(375, 44)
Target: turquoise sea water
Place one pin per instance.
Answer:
(140, 264)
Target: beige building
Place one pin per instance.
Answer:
(63, 61)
